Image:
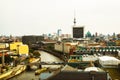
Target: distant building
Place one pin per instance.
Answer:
(78, 32)
(88, 34)
(31, 39)
(59, 32)
(66, 36)
(96, 34)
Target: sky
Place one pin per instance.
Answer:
(36, 17)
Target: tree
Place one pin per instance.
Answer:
(8, 59)
(36, 53)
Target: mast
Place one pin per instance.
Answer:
(74, 19)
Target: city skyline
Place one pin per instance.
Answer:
(35, 17)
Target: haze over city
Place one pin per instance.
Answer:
(35, 17)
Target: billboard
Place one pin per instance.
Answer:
(78, 32)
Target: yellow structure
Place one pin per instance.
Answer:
(23, 49)
(37, 72)
(20, 48)
(15, 45)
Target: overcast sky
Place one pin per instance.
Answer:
(35, 17)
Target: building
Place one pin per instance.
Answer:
(78, 32)
(4, 45)
(65, 46)
(20, 48)
(88, 34)
(66, 36)
(23, 50)
(31, 39)
(15, 45)
(70, 73)
(109, 62)
(59, 32)
(117, 42)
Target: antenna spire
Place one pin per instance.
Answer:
(74, 18)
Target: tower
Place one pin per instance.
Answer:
(77, 31)
(59, 32)
(74, 19)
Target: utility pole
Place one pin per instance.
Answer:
(3, 58)
(3, 55)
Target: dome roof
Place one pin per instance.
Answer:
(88, 34)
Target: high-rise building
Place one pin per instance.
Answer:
(59, 32)
(30, 39)
(78, 32)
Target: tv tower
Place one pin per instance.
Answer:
(74, 18)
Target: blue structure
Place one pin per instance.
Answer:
(59, 32)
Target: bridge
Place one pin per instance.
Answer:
(39, 64)
(52, 63)
(47, 63)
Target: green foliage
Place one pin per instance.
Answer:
(31, 50)
(50, 47)
(8, 59)
(36, 53)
